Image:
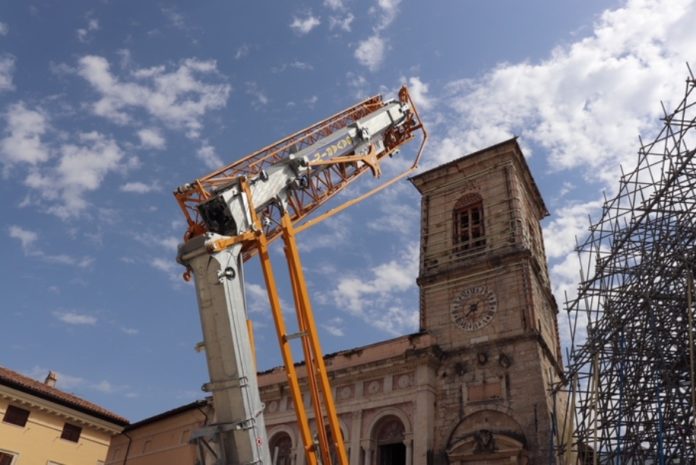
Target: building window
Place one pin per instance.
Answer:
(7, 458)
(16, 416)
(71, 432)
(469, 231)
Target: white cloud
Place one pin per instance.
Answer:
(257, 300)
(4, 29)
(399, 212)
(83, 32)
(152, 139)
(336, 5)
(586, 102)
(139, 187)
(7, 67)
(175, 18)
(104, 386)
(63, 259)
(297, 64)
(568, 222)
(341, 22)
(419, 93)
(260, 99)
(164, 265)
(206, 153)
(22, 142)
(81, 168)
(177, 98)
(358, 84)
(171, 268)
(370, 52)
(125, 58)
(74, 318)
(26, 238)
(67, 382)
(242, 51)
(389, 9)
(335, 230)
(377, 295)
(61, 69)
(170, 243)
(130, 331)
(334, 327)
(303, 26)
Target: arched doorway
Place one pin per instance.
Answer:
(281, 448)
(389, 440)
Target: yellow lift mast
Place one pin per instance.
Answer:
(236, 212)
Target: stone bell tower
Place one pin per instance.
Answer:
(485, 297)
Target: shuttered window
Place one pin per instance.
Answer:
(6, 458)
(16, 416)
(71, 432)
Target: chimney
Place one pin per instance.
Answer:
(51, 379)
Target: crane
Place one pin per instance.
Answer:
(233, 214)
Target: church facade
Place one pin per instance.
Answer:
(473, 385)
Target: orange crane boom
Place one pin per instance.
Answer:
(323, 184)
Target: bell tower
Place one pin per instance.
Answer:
(485, 297)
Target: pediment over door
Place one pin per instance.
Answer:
(487, 437)
(487, 448)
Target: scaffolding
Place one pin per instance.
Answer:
(630, 375)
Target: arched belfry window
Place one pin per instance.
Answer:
(468, 226)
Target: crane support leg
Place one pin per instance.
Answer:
(286, 351)
(239, 430)
(316, 368)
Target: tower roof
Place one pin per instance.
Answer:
(508, 146)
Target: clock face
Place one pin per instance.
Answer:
(474, 308)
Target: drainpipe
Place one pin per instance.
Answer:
(130, 440)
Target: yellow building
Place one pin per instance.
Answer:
(42, 425)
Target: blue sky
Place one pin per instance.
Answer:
(106, 107)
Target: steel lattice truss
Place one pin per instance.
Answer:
(631, 368)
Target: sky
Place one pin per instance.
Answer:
(106, 107)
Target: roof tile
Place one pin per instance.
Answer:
(23, 383)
